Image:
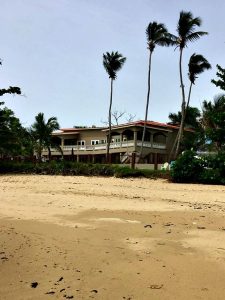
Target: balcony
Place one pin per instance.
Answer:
(124, 145)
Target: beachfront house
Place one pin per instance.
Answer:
(88, 144)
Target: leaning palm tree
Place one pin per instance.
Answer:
(112, 63)
(197, 65)
(186, 33)
(157, 35)
(41, 132)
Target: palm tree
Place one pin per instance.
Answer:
(42, 131)
(197, 65)
(186, 33)
(112, 63)
(157, 35)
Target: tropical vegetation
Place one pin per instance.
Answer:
(112, 63)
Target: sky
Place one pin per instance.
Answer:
(52, 50)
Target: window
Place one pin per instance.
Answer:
(81, 143)
(94, 142)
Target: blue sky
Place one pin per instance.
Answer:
(53, 50)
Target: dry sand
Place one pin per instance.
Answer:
(108, 238)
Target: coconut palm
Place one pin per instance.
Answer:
(186, 33)
(112, 63)
(197, 65)
(41, 132)
(157, 35)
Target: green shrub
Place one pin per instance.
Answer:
(187, 168)
(76, 168)
(210, 176)
(209, 169)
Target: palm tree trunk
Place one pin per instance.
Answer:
(185, 113)
(183, 106)
(147, 102)
(189, 98)
(49, 154)
(110, 125)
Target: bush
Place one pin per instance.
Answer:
(189, 167)
(75, 168)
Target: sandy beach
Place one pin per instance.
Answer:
(109, 238)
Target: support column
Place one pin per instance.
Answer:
(62, 142)
(133, 159)
(121, 140)
(155, 161)
(151, 139)
(62, 146)
(135, 141)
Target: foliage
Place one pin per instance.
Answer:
(10, 90)
(221, 81)
(41, 132)
(214, 121)
(12, 134)
(197, 65)
(191, 120)
(75, 168)
(112, 63)
(189, 167)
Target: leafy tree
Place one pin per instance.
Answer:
(11, 89)
(192, 117)
(41, 132)
(191, 140)
(186, 33)
(221, 81)
(112, 63)
(157, 35)
(11, 133)
(214, 121)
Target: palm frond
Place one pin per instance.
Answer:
(157, 34)
(186, 28)
(195, 36)
(197, 65)
(112, 63)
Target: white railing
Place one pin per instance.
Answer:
(152, 145)
(125, 144)
(159, 146)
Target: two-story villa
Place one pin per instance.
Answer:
(89, 144)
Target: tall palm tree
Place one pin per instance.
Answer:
(112, 63)
(41, 132)
(197, 65)
(186, 33)
(157, 35)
